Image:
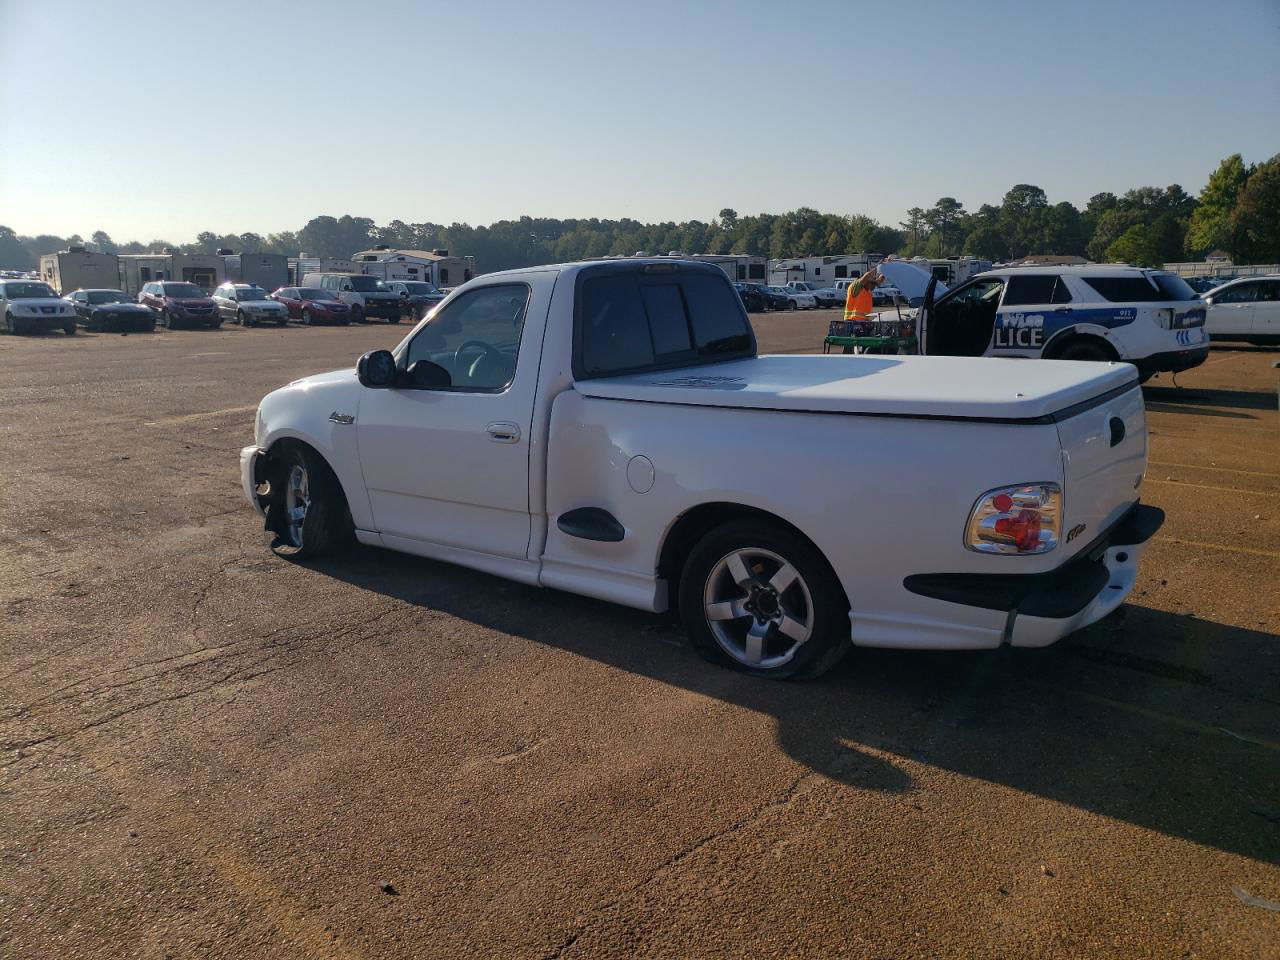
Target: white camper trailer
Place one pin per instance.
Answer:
(739, 267)
(76, 268)
(436, 267)
(299, 267)
(205, 270)
(824, 271)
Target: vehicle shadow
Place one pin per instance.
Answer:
(1195, 398)
(1152, 718)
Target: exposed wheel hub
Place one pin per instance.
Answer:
(762, 603)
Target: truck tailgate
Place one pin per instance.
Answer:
(1104, 455)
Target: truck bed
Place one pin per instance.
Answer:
(942, 387)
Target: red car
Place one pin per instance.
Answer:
(313, 305)
(180, 304)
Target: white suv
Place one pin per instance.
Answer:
(29, 305)
(1149, 318)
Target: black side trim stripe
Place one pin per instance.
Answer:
(1066, 413)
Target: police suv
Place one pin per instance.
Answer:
(1149, 318)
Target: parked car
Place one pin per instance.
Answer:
(366, 296)
(773, 299)
(110, 310)
(31, 305)
(1148, 318)
(794, 299)
(1247, 309)
(180, 304)
(1202, 284)
(420, 296)
(886, 293)
(753, 298)
(824, 296)
(582, 427)
(248, 305)
(312, 305)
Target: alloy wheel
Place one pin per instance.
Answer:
(758, 607)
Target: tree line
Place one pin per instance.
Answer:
(1237, 211)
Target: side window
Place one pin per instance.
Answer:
(842, 270)
(1026, 290)
(444, 277)
(980, 291)
(1241, 293)
(476, 338)
(1060, 292)
(1269, 290)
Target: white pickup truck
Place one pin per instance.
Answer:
(608, 429)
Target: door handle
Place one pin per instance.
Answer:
(503, 431)
(1062, 310)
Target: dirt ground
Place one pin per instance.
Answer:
(212, 752)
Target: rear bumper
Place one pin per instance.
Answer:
(1040, 608)
(1172, 361)
(382, 308)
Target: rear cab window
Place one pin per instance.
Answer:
(656, 317)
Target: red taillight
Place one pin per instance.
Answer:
(1023, 527)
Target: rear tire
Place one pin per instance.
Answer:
(778, 609)
(1085, 351)
(308, 510)
(69, 328)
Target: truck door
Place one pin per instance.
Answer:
(451, 465)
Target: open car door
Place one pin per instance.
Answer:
(922, 317)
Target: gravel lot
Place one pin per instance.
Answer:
(212, 752)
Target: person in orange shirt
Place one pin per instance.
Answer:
(858, 301)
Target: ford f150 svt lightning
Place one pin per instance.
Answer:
(608, 428)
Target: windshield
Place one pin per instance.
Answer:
(367, 285)
(15, 290)
(419, 287)
(108, 296)
(250, 293)
(182, 290)
(314, 293)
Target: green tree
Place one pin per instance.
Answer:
(1021, 213)
(986, 242)
(1212, 226)
(1136, 246)
(941, 218)
(102, 240)
(14, 255)
(1256, 216)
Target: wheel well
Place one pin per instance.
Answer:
(692, 525)
(1059, 344)
(277, 450)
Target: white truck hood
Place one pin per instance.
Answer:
(950, 387)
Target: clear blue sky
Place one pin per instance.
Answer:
(160, 119)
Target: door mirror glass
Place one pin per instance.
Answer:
(427, 375)
(377, 369)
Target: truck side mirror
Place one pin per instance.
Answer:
(377, 369)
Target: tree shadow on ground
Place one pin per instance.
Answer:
(1160, 720)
